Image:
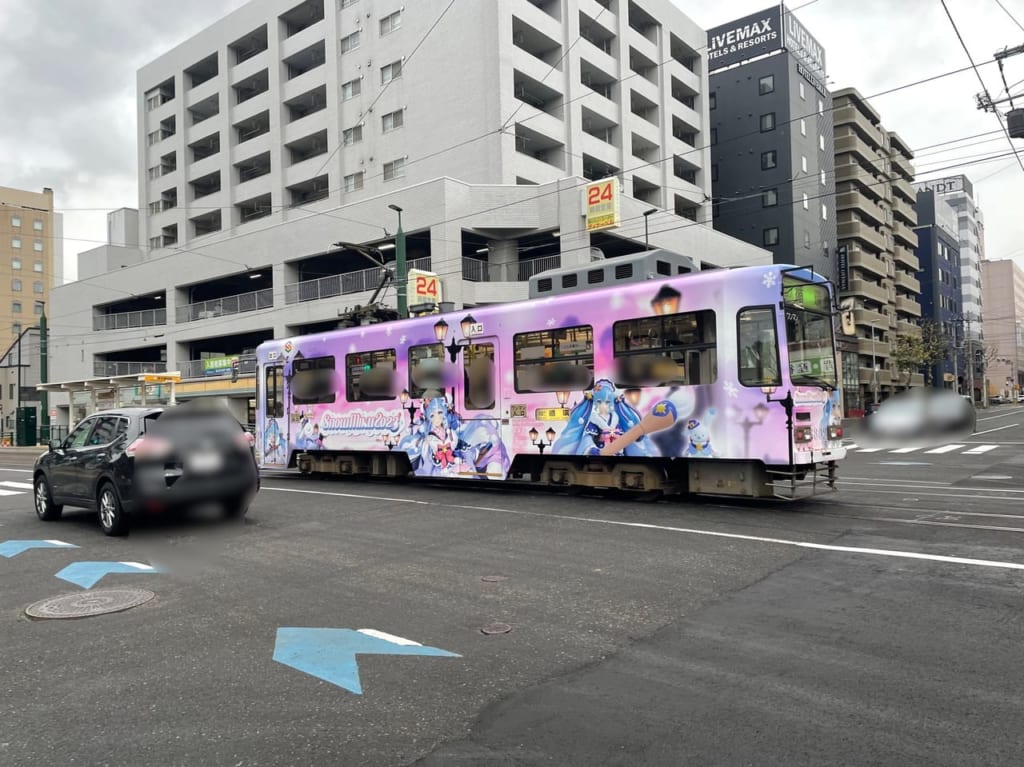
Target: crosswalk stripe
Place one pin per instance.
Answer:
(980, 449)
(905, 450)
(18, 485)
(871, 449)
(10, 492)
(945, 449)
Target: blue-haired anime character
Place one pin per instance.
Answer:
(442, 444)
(273, 447)
(597, 421)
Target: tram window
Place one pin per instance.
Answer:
(273, 390)
(478, 364)
(758, 347)
(371, 375)
(313, 381)
(426, 368)
(667, 350)
(554, 360)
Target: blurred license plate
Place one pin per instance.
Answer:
(205, 462)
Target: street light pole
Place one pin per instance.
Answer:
(400, 272)
(647, 213)
(44, 400)
(874, 366)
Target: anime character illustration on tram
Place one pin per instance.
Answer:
(443, 444)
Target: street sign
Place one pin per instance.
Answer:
(13, 548)
(424, 287)
(88, 574)
(330, 654)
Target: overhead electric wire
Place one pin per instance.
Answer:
(1012, 17)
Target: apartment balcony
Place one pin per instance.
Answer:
(596, 55)
(866, 207)
(530, 14)
(861, 259)
(905, 328)
(228, 305)
(870, 318)
(901, 164)
(867, 182)
(599, 149)
(866, 376)
(644, 87)
(847, 230)
(851, 143)
(906, 257)
(850, 115)
(362, 281)
(542, 122)
(307, 126)
(303, 83)
(123, 320)
(302, 40)
(876, 348)
(908, 306)
(104, 369)
(901, 186)
(251, 66)
(904, 211)
(904, 234)
(907, 282)
(869, 290)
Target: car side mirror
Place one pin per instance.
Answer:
(55, 444)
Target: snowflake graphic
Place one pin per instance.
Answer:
(768, 279)
(551, 322)
(362, 334)
(351, 348)
(731, 390)
(388, 330)
(402, 340)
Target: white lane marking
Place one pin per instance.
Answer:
(19, 471)
(969, 495)
(19, 485)
(389, 637)
(1000, 428)
(871, 449)
(945, 449)
(137, 565)
(694, 531)
(900, 481)
(949, 489)
(60, 543)
(12, 492)
(953, 524)
(980, 449)
(1001, 415)
(905, 450)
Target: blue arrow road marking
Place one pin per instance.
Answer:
(13, 548)
(87, 574)
(330, 654)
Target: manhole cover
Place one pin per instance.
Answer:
(494, 578)
(495, 628)
(89, 603)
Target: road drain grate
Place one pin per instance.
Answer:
(89, 603)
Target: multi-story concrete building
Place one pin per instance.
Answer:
(287, 127)
(876, 223)
(958, 192)
(772, 152)
(938, 252)
(31, 263)
(1002, 284)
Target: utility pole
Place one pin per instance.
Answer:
(44, 398)
(400, 272)
(956, 357)
(970, 358)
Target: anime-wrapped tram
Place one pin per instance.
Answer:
(721, 382)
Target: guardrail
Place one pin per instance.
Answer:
(364, 280)
(219, 307)
(140, 319)
(104, 368)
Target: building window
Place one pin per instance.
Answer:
(803, 127)
(769, 198)
(37, 287)
(15, 263)
(821, 107)
(554, 360)
(37, 266)
(803, 163)
(714, 171)
(16, 222)
(392, 120)
(769, 159)
(312, 382)
(37, 246)
(770, 236)
(668, 350)
(390, 72)
(16, 329)
(370, 375)
(16, 307)
(712, 100)
(823, 181)
(821, 142)
(351, 89)
(807, 239)
(758, 347)
(803, 94)
(714, 136)
(767, 122)
(390, 23)
(766, 85)
(354, 182)
(350, 42)
(426, 369)
(37, 308)
(824, 212)
(807, 205)
(351, 136)
(394, 169)
(16, 242)
(16, 285)
(347, 3)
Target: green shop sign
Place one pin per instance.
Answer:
(216, 366)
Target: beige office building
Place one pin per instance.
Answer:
(1002, 295)
(878, 271)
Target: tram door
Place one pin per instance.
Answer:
(481, 432)
(274, 447)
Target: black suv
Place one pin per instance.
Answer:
(147, 459)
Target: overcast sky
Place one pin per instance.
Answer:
(67, 99)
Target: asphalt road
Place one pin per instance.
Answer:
(879, 625)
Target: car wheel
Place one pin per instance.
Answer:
(113, 520)
(46, 509)
(235, 508)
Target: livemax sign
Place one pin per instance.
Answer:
(753, 35)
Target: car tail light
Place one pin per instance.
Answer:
(148, 447)
(803, 434)
(247, 440)
(835, 432)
